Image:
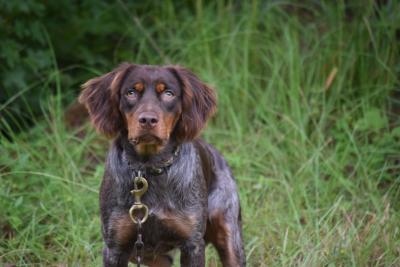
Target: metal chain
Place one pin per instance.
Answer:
(138, 248)
(139, 213)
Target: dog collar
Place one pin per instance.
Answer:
(159, 167)
(157, 170)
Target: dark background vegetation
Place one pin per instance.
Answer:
(309, 98)
(40, 37)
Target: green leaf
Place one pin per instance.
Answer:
(396, 132)
(372, 120)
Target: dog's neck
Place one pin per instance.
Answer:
(155, 163)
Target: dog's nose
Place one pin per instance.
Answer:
(148, 119)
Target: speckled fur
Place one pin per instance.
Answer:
(194, 201)
(183, 189)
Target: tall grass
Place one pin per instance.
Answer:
(305, 101)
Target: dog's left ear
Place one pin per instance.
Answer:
(198, 104)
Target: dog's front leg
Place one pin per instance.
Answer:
(115, 257)
(193, 253)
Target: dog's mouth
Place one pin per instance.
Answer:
(147, 144)
(146, 139)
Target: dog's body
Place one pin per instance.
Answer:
(156, 114)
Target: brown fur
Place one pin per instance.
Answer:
(148, 149)
(163, 131)
(160, 87)
(100, 96)
(170, 122)
(139, 87)
(218, 233)
(198, 104)
(181, 224)
(124, 229)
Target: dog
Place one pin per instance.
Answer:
(155, 115)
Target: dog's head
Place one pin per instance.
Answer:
(152, 104)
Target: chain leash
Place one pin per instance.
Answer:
(139, 213)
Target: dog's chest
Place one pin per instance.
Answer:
(170, 212)
(175, 200)
(173, 217)
(168, 228)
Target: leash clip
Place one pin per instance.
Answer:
(139, 211)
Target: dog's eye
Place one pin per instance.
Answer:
(169, 93)
(131, 92)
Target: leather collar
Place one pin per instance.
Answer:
(155, 168)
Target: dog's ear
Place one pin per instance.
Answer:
(100, 95)
(198, 104)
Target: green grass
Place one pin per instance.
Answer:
(316, 158)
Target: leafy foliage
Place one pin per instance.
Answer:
(70, 36)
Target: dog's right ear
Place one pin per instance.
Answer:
(198, 104)
(100, 95)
